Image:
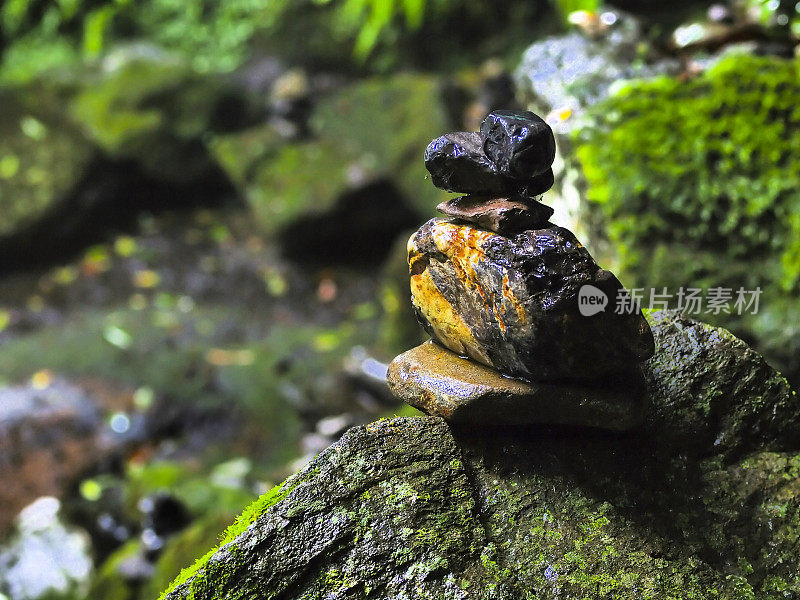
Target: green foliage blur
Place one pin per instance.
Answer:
(37, 36)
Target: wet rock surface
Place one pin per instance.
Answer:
(416, 508)
(512, 302)
(441, 383)
(713, 394)
(511, 155)
(520, 143)
(457, 164)
(312, 537)
(501, 215)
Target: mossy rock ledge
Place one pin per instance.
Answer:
(702, 502)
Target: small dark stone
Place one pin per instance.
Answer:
(458, 163)
(501, 215)
(442, 384)
(519, 143)
(535, 186)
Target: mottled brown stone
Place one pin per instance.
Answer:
(441, 383)
(47, 439)
(511, 303)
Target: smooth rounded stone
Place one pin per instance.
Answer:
(519, 143)
(458, 163)
(501, 215)
(512, 303)
(441, 383)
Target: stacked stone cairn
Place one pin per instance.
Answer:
(498, 288)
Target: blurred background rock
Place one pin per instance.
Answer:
(204, 209)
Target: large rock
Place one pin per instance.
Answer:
(48, 437)
(714, 395)
(154, 110)
(721, 212)
(365, 134)
(87, 153)
(42, 157)
(574, 71)
(374, 527)
(512, 302)
(410, 508)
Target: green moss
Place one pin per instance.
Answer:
(194, 573)
(573, 545)
(154, 111)
(369, 131)
(42, 156)
(398, 522)
(695, 182)
(258, 508)
(704, 161)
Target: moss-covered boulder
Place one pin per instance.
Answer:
(412, 508)
(563, 76)
(711, 394)
(145, 107)
(696, 184)
(42, 156)
(87, 152)
(368, 132)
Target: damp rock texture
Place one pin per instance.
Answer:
(718, 395)
(501, 215)
(510, 155)
(418, 508)
(511, 303)
(441, 383)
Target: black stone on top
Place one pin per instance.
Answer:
(520, 143)
(510, 156)
(457, 163)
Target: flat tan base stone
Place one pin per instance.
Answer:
(441, 383)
